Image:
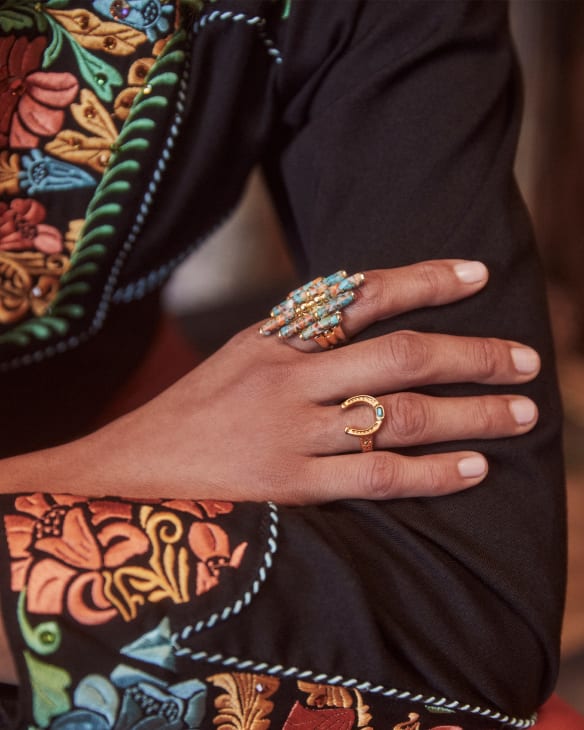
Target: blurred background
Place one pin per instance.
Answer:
(237, 275)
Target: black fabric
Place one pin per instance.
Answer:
(387, 134)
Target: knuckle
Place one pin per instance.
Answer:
(485, 417)
(407, 351)
(483, 358)
(434, 477)
(379, 475)
(430, 279)
(409, 418)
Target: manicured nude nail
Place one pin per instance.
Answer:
(471, 272)
(525, 360)
(523, 411)
(472, 466)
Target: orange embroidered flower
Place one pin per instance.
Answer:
(22, 227)
(31, 101)
(59, 549)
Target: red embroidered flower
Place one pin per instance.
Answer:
(59, 549)
(22, 227)
(31, 101)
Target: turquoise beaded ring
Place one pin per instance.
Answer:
(313, 311)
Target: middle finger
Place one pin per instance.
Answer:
(403, 360)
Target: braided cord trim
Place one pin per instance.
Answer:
(255, 21)
(432, 702)
(240, 603)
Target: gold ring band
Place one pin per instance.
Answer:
(365, 435)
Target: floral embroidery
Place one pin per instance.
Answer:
(61, 136)
(32, 101)
(22, 227)
(102, 558)
(246, 704)
(149, 16)
(134, 700)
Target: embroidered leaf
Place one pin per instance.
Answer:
(97, 73)
(90, 114)
(49, 685)
(243, 707)
(43, 639)
(53, 51)
(95, 152)
(9, 170)
(72, 310)
(19, 15)
(96, 693)
(98, 35)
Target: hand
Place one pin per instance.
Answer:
(261, 420)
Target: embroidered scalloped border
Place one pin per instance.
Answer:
(432, 702)
(240, 603)
(101, 215)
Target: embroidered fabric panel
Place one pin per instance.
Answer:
(91, 578)
(70, 75)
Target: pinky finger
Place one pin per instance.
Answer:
(382, 475)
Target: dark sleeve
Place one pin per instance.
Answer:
(396, 146)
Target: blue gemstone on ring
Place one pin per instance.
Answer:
(379, 412)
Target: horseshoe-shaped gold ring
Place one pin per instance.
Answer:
(365, 435)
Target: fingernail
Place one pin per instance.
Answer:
(471, 272)
(523, 411)
(525, 359)
(472, 466)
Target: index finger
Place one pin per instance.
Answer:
(386, 293)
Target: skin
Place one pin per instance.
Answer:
(274, 409)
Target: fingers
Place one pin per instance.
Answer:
(405, 359)
(389, 292)
(412, 419)
(382, 475)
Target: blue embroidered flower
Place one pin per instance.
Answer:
(42, 173)
(152, 17)
(134, 700)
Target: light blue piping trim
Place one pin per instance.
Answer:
(321, 678)
(254, 21)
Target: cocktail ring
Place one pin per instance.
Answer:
(365, 435)
(313, 311)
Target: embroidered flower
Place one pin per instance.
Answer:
(22, 227)
(60, 547)
(148, 16)
(152, 17)
(42, 173)
(99, 559)
(134, 700)
(31, 101)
